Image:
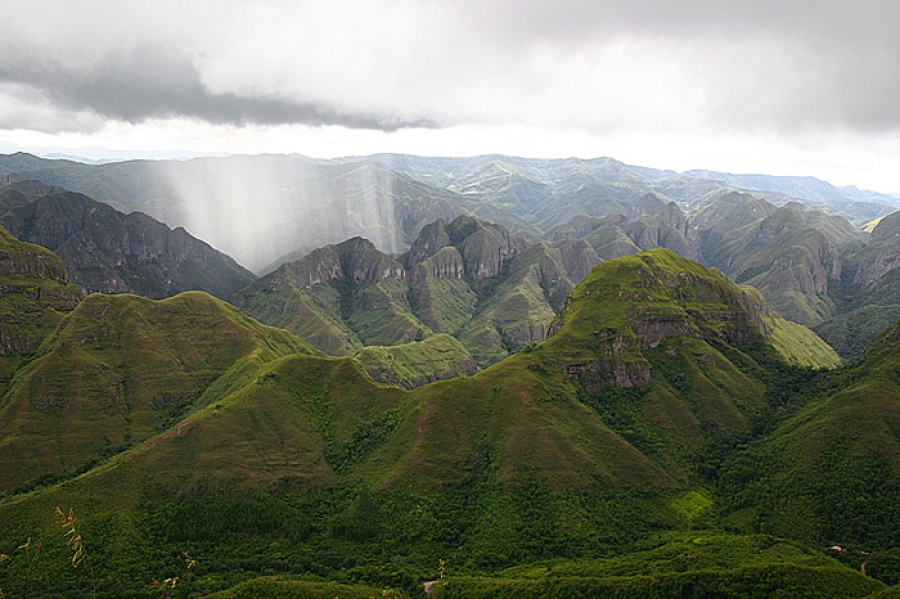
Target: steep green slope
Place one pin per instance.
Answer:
(698, 564)
(339, 298)
(789, 262)
(831, 473)
(415, 364)
(470, 279)
(120, 369)
(801, 346)
(34, 296)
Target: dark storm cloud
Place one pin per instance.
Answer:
(152, 82)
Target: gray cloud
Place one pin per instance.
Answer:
(151, 81)
(780, 65)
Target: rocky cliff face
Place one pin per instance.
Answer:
(669, 228)
(134, 253)
(106, 251)
(484, 247)
(877, 260)
(50, 220)
(628, 306)
(882, 255)
(339, 298)
(647, 205)
(432, 238)
(356, 260)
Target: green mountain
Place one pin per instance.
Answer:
(412, 365)
(110, 252)
(119, 369)
(469, 279)
(832, 471)
(339, 298)
(650, 223)
(791, 263)
(34, 296)
(590, 450)
(867, 297)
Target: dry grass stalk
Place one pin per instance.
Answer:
(79, 555)
(163, 587)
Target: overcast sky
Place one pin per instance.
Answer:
(779, 87)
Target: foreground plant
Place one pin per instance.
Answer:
(163, 587)
(79, 555)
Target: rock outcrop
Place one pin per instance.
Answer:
(628, 306)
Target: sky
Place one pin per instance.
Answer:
(780, 87)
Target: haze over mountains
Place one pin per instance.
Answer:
(296, 204)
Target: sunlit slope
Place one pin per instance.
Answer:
(645, 363)
(470, 279)
(832, 472)
(339, 298)
(34, 296)
(120, 369)
(411, 365)
(694, 564)
(301, 424)
(654, 322)
(583, 443)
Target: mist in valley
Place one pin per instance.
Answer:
(259, 209)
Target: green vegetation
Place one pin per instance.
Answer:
(680, 565)
(468, 279)
(800, 346)
(415, 364)
(646, 448)
(34, 297)
(850, 333)
(120, 369)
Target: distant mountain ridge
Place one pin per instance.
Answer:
(264, 210)
(107, 251)
(614, 209)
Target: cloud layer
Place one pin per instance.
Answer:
(638, 65)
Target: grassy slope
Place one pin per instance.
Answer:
(519, 310)
(34, 297)
(531, 457)
(415, 364)
(119, 369)
(800, 346)
(679, 564)
(338, 298)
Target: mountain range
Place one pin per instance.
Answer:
(297, 204)
(596, 397)
(660, 402)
